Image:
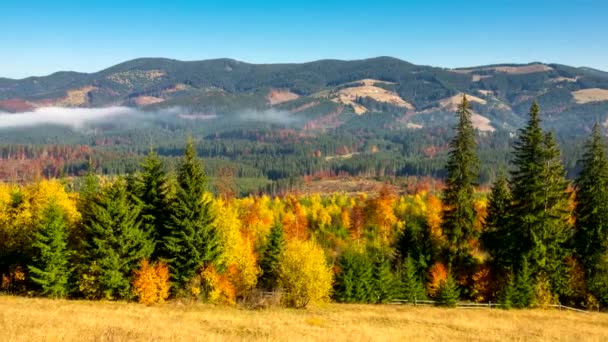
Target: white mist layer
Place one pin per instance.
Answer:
(72, 117)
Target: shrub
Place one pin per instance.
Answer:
(151, 282)
(304, 274)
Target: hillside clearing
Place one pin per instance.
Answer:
(25, 319)
(590, 95)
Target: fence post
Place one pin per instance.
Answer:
(415, 301)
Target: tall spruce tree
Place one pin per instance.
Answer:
(497, 236)
(193, 239)
(151, 189)
(540, 201)
(591, 209)
(271, 257)
(115, 241)
(462, 174)
(50, 269)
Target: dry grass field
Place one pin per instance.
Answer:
(24, 319)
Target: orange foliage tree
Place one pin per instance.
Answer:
(151, 282)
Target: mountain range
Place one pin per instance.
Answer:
(571, 98)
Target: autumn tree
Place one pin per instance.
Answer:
(271, 257)
(50, 268)
(304, 274)
(462, 173)
(115, 243)
(193, 239)
(151, 282)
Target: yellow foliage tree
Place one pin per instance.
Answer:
(239, 253)
(304, 274)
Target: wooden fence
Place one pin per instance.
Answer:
(471, 305)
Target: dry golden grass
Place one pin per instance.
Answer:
(590, 95)
(23, 319)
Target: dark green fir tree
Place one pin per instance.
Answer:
(193, 239)
(151, 189)
(591, 209)
(115, 242)
(50, 269)
(462, 174)
(271, 257)
(497, 236)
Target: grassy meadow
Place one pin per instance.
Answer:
(27, 319)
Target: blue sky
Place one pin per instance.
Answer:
(40, 37)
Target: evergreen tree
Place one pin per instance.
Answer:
(193, 239)
(448, 292)
(549, 248)
(151, 189)
(345, 278)
(411, 287)
(115, 241)
(383, 280)
(508, 294)
(497, 237)
(271, 257)
(591, 209)
(462, 173)
(540, 202)
(354, 281)
(417, 244)
(363, 291)
(523, 294)
(50, 269)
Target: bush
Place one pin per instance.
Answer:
(151, 282)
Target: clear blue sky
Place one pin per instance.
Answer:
(40, 37)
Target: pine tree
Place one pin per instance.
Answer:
(271, 257)
(50, 269)
(151, 189)
(115, 241)
(448, 292)
(523, 294)
(412, 288)
(540, 200)
(497, 236)
(193, 239)
(462, 173)
(591, 209)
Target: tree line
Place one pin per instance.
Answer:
(534, 239)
